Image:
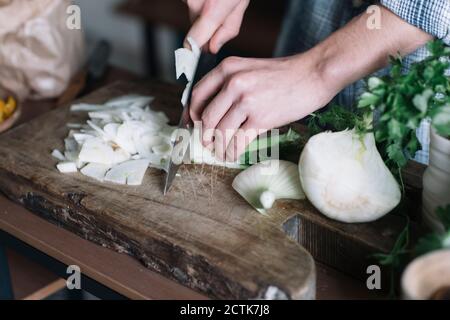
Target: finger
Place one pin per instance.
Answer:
(226, 129)
(210, 19)
(211, 84)
(214, 112)
(229, 29)
(195, 8)
(243, 137)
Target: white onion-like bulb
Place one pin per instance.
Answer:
(345, 178)
(262, 184)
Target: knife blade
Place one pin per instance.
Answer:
(206, 63)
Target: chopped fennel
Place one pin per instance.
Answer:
(186, 61)
(264, 183)
(119, 141)
(58, 155)
(67, 167)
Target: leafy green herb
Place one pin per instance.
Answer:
(396, 258)
(404, 99)
(260, 149)
(337, 118)
(436, 241)
(400, 248)
(444, 215)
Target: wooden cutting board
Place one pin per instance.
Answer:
(202, 234)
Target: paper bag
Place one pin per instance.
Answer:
(38, 52)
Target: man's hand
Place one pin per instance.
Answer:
(268, 93)
(256, 94)
(215, 22)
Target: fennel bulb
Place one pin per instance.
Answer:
(345, 178)
(262, 184)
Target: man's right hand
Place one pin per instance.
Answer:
(215, 22)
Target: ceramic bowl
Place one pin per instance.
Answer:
(427, 275)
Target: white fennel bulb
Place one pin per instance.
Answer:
(345, 178)
(264, 183)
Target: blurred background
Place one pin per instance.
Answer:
(144, 33)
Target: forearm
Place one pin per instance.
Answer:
(356, 51)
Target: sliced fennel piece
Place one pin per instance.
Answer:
(82, 107)
(67, 167)
(74, 125)
(345, 178)
(98, 151)
(130, 172)
(127, 100)
(264, 183)
(186, 63)
(198, 154)
(58, 155)
(70, 144)
(80, 138)
(111, 138)
(96, 171)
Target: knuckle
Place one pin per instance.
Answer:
(237, 82)
(246, 100)
(230, 63)
(209, 7)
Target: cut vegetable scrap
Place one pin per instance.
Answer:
(58, 155)
(198, 154)
(84, 107)
(95, 171)
(98, 151)
(67, 167)
(130, 172)
(186, 63)
(264, 183)
(122, 131)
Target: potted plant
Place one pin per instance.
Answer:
(436, 180)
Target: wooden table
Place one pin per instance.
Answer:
(122, 273)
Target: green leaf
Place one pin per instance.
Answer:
(368, 99)
(444, 215)
(421, 101)
(413, 145)
(441, 120)
(397, 130)
(436, 241)
(396, 154)
(428, 243)
(400, 248)
(374, 82)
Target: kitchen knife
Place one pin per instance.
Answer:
(206, 63)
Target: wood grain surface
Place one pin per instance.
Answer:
(202, 234)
